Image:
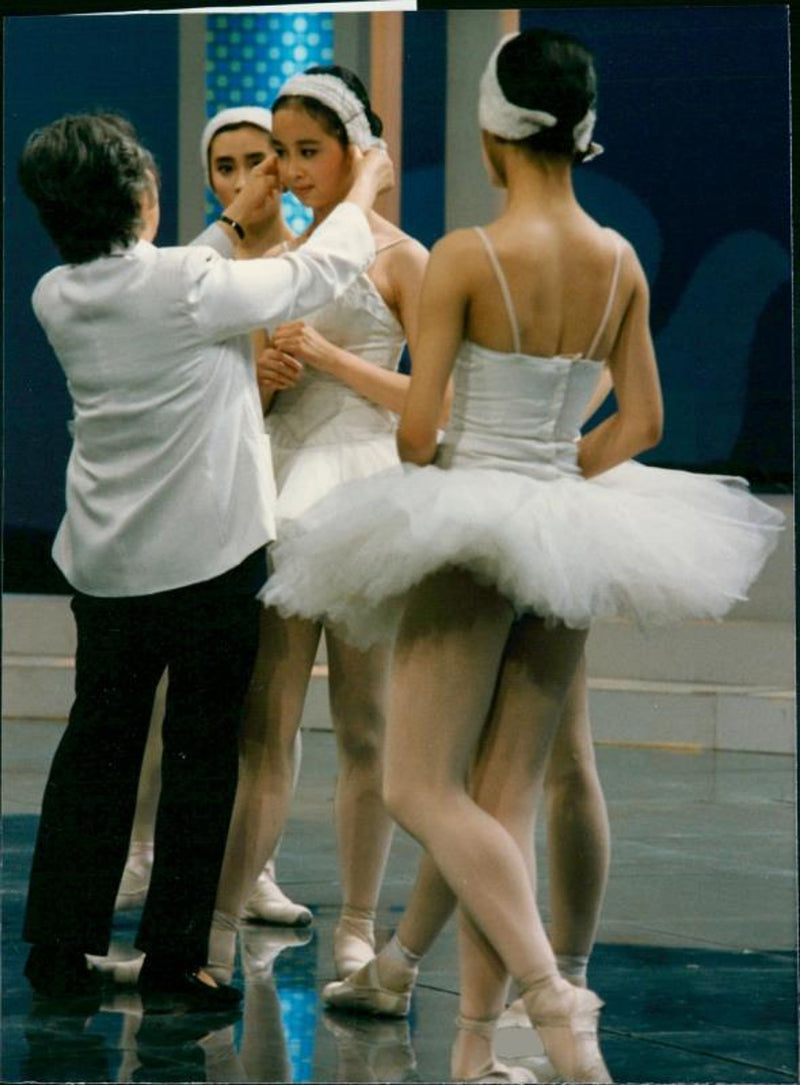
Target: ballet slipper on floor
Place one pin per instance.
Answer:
(269, 904)
(514, 1016)
(566, 1020)
(353, 946)
(491, 1070)
(364, 992)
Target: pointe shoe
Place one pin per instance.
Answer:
(492, 1070)
(269, 904)
(363, 992)
(514, 1016)
(351, 949)
(135, 879)
(567, 1025)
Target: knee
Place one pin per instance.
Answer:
(403, 802)
(571, 776)
(359, 734)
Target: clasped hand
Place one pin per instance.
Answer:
(295, 344)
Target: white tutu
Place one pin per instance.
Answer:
(306, 474)
(657, 545)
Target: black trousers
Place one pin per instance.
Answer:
(206, 637)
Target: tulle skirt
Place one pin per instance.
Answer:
(305, 474)
(656, 545)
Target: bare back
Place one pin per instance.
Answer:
(560, 275)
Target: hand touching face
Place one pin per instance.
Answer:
(232, 156)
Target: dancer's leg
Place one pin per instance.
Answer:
(507, 782)
(578, 836)
(358, 692)
(448, 655)
(273, 709)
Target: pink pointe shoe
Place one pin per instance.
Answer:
(269, 904)
(567, 1020)
(491, 1070)
(366, 991)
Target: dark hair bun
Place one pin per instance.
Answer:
(543, 69)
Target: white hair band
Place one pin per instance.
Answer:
(509, 121)
(338, 97)
(246, 114)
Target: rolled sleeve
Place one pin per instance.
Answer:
(229, 297)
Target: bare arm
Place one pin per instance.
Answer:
(405, 270)
(442, 313)
(637, 423)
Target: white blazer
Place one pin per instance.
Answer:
(170, 482)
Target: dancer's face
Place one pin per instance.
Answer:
(312, 164)
(231, 157)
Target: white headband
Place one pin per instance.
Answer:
(246, 114)
(337, 96)
(502, 118)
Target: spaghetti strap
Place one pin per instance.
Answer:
(391, 244)
(501, 279)
(611, 294)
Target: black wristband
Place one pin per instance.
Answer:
(234, 225)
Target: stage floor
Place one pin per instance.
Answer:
(696, 955)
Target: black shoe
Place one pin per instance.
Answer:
(172, 988)
(61, 973)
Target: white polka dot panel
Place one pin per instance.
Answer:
(248, 57)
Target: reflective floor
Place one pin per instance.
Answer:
(696, 954)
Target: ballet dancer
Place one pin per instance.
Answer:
(331, 393)
(233, 142)
(169, 508)
(487, 557)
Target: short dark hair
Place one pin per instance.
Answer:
(329, 120)
(86, 173)
(554, 72)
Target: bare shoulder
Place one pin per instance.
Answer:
(457, 251)
(631, 276)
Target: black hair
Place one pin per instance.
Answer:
(86, 173)
(554, 72)
(329, 120)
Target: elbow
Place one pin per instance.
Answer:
(651, 433)
(414, 448)
(654, 428)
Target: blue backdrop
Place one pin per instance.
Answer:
(694, 114)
